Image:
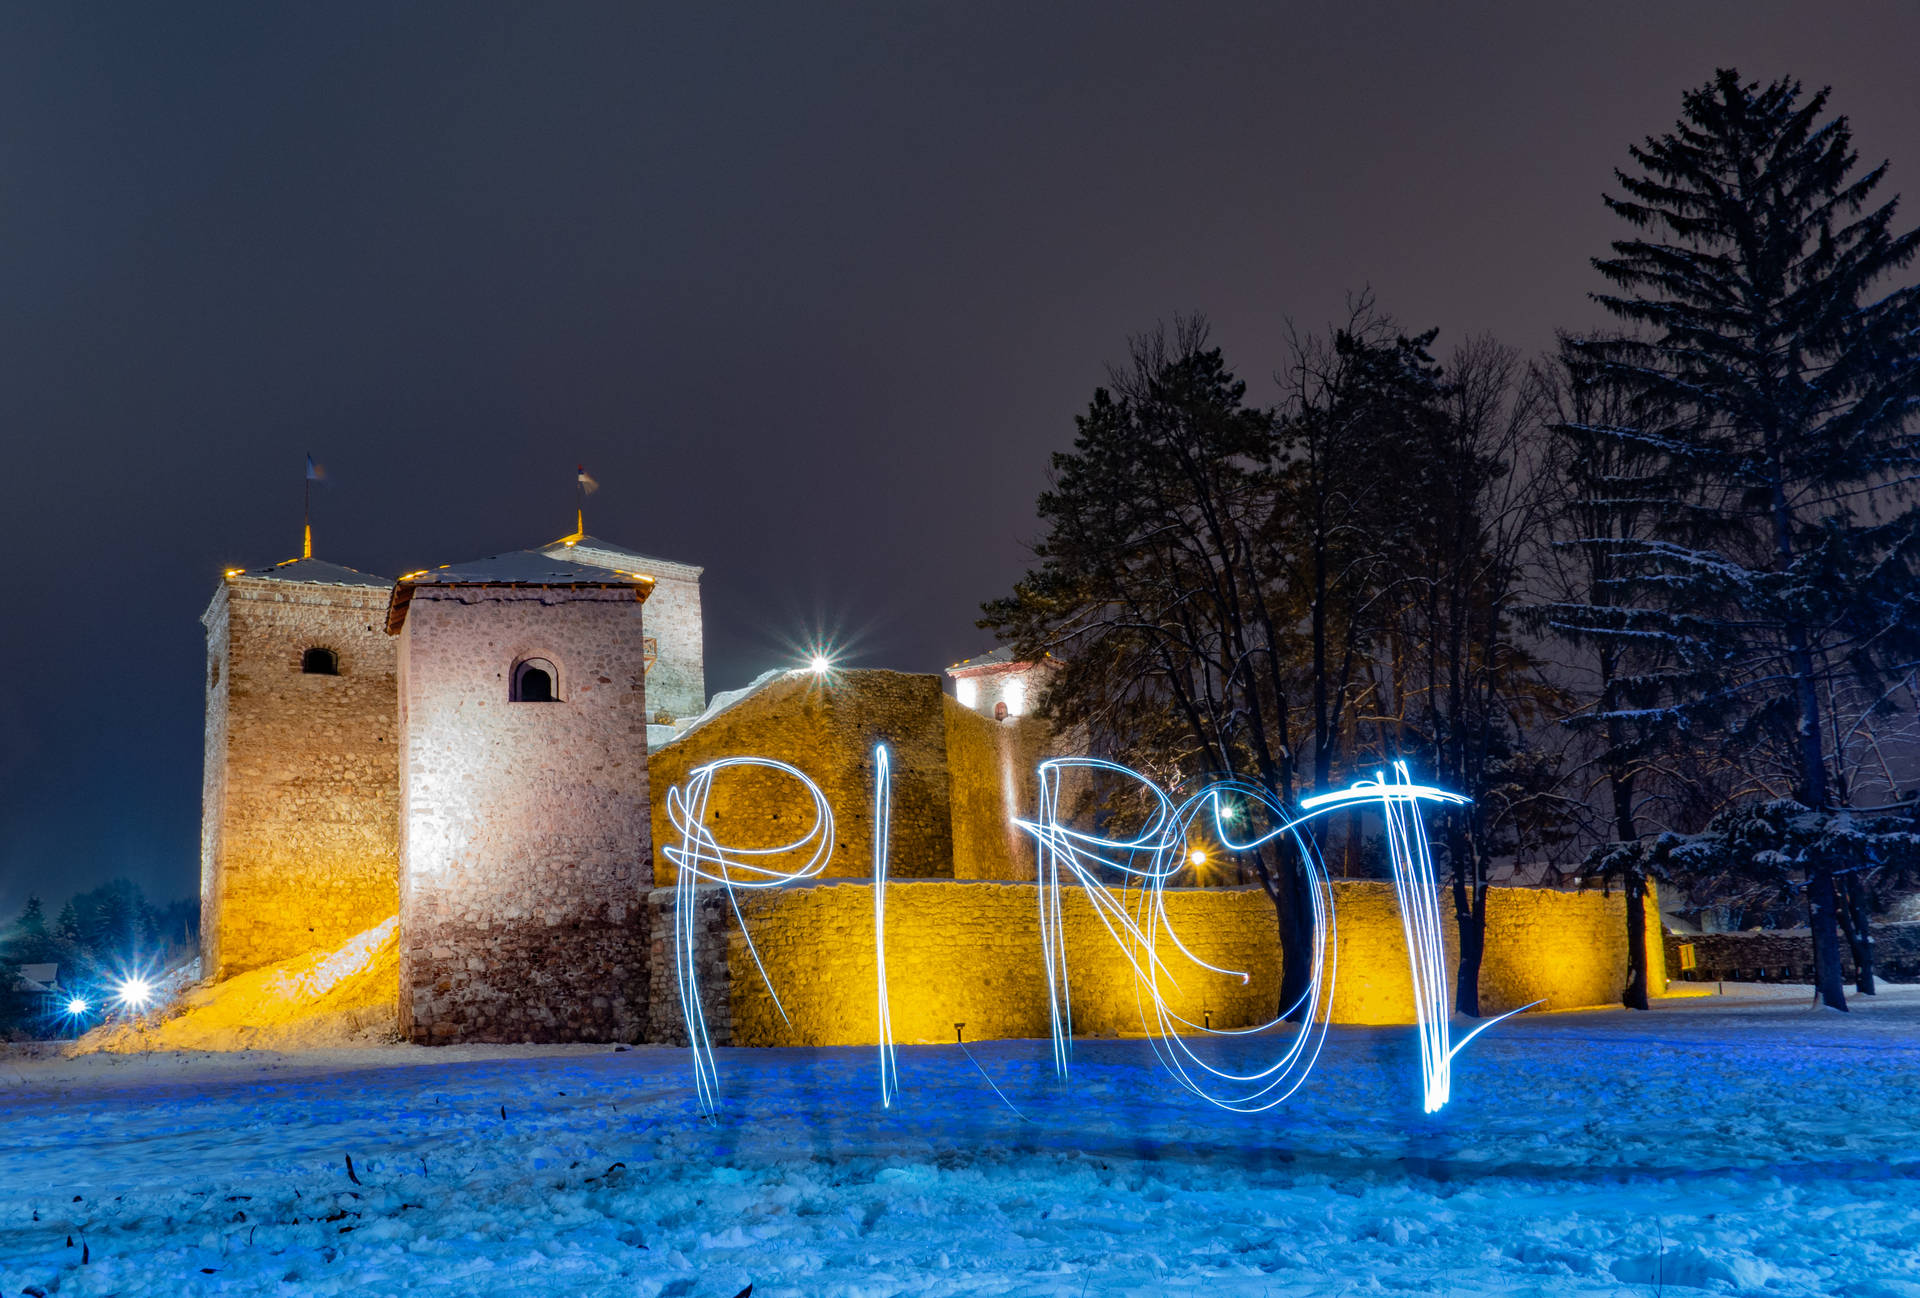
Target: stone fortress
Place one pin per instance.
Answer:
(484, 750)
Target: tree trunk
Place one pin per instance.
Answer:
(1470, 916)
(1621, 787)
(1293, 915)
(1635, 996)
(1858, 923)
(1822, 919)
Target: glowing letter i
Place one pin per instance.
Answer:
(882, 826)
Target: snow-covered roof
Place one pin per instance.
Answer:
(998, 660)
(515, 568)
(582, 548)
(313, 570)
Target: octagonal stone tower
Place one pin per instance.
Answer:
(525, 848)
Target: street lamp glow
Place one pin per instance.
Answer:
(77, 1006)
(135, 993)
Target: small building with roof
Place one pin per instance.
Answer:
(999, 685)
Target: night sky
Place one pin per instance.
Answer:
(813, 293)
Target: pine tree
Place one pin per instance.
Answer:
(1608, 497)
(33, 919)
(67, 927)
(1786, 378)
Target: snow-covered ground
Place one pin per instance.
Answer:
(1744, 1145)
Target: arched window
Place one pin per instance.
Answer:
(535, 680)
(320, 662)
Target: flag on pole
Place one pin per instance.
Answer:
(313, 470)
(587, 483)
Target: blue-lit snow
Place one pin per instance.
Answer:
(1736, 1146)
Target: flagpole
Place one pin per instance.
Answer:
(306, 511)
(580, 500)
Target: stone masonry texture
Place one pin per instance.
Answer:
(677, 682)
(525, 847)
(299, 826)
(969, 952)
(827, 728)
(1786, 955)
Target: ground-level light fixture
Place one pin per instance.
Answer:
(77, 1005)
(135, 993)
(819, 664)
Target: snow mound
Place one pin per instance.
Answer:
(659, 736)
(347, 996)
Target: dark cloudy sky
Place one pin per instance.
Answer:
(813, 292)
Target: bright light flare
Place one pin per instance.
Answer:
(134, 993)
(819, 664)
(77, 1006)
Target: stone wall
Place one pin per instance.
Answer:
(991, 765)
(677, 682)
(969, 952)
(1786, 955)
(299, 831)
(827, 727)
(525, 850)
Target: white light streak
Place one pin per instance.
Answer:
(699, 856)
(1125, 881)
(882, 831)
(1142, 927)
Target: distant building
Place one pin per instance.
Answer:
(999, 685)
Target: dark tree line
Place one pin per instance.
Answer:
(1650, 601)
(96, 934)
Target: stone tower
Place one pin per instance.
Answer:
(525, 847)
(677, 675)
(299, 841)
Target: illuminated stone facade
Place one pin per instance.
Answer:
(299, 831)
(677, 676)
(970, 953)
(515, 836)
(1000, 686)
(958, 778)
(525, 850)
